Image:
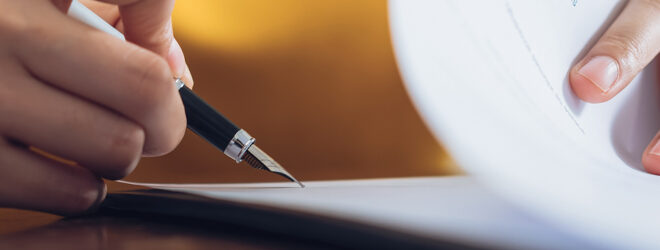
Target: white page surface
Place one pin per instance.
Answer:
(442, 208)
(490, 79)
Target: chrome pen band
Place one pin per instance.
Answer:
(178, 83)
(239, 145)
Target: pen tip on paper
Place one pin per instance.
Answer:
(260, 160)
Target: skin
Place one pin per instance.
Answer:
(632, 42)
(78, 105)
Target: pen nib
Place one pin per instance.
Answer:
(260, 160)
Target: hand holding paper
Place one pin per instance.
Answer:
(627, 47)
(491, 79)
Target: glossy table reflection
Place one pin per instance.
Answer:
(104, 232)
(158, 219)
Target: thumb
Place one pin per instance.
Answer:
(629, 44)
(148, 23)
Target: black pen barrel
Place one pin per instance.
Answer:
(205, 121)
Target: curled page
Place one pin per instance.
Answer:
(490, 79)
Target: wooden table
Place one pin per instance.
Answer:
(156, 219)
(30, 230)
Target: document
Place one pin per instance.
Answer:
(443, 209)
(491, 80)
(547, 170)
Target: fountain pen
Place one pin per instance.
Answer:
(202, 118)
(208, 123)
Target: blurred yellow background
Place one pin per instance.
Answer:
(314, 81)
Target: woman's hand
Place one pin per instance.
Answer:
(629, 45)
(84, 96)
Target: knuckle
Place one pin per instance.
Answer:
(174, 138)
(167, 139)
(21, 25)
(16, 27)
(13, 20)
(176, 119)
(155, 84)
(629, 47)
(125, 146)
(158, 105)
(161, 40)
(655, 4)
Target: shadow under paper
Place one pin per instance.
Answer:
(638, 120)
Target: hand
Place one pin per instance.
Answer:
(78, 105)
(629, 45)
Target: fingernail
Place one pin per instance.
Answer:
(655, 150)
(176, 59)
(101, 194)
(602, 71)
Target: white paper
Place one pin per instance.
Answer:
(490, 79)
(441, 208)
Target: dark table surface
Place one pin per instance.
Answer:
(138, 226)
(27, 230)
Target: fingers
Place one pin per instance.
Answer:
(30, 181)
(148, 23)
(130, 80)
(67, 126)
(629, 44)
(651, 157)
(161, 28)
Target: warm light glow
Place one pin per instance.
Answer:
(254, 24)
